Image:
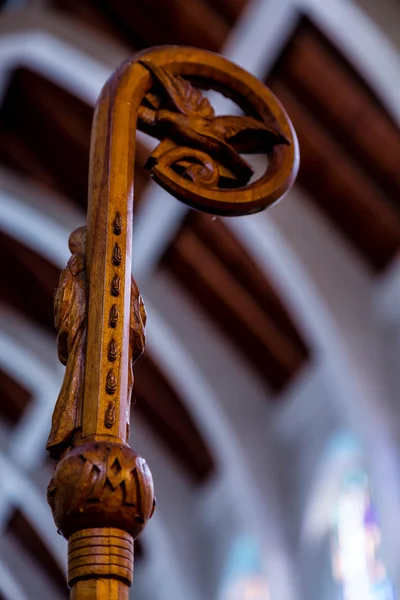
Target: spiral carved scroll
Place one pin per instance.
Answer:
(195, 165)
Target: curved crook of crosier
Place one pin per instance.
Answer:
(129, 84)
(110, 205)
(211, 71)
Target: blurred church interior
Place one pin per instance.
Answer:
(266, 403)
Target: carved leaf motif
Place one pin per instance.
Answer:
(114, 316)
(116, 285)
(109, 419)
(111, 383)
(112, 350)
(118, 223)
(117, 255)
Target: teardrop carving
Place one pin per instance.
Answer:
(112, 350)
(111, 383)
(114, 315)
(117, 255)
(118, 223)
(109, 419)
(116, 285)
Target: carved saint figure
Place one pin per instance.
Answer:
(70, 322)
(70, 312)
(187, 117)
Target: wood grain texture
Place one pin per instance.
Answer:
(159, 79)
(100, 552)
(100, 483)
(100, 589)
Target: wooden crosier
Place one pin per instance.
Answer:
(101, 493)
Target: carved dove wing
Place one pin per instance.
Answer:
(183, 97)
(247, 134)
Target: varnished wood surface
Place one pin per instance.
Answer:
(101, 494)
(111, 187)
(70, 322)
(100, 589)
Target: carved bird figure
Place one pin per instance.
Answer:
(189, 118)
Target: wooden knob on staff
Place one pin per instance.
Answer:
(102, 497)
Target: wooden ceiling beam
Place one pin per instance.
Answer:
(28, 538)
(233, 309)
(30, 282)
(165, 413)
(195, 23)
(183, 22)
(43, 117)
(13, 399)
(344, 104)
(18, 155)
(217, 237)
(229, 9)
(38, 116)
(340, 188)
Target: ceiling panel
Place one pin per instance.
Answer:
(349, 145)
(211, 265)
(138, 25)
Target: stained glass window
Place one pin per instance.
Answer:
(356, 538)
(243, 578)
(248, 587)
